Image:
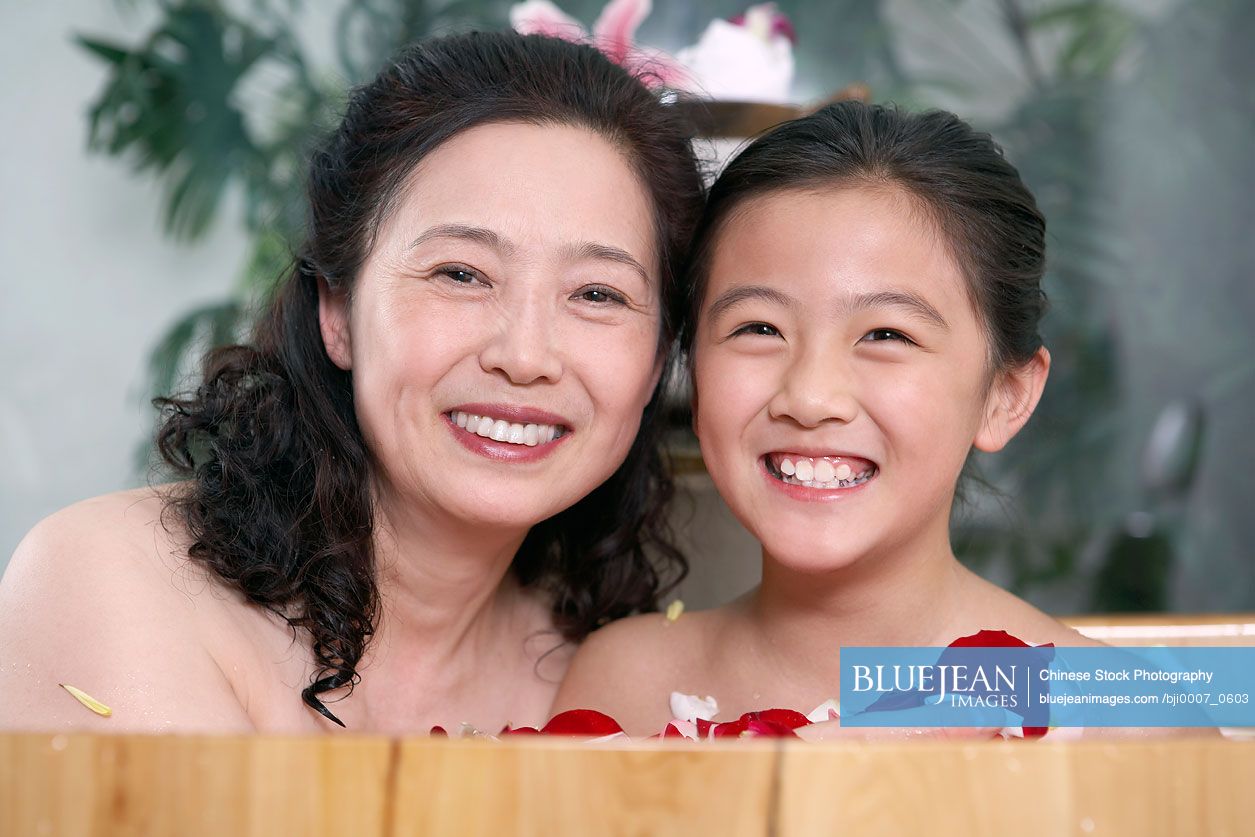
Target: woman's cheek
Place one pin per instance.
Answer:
(620, 358)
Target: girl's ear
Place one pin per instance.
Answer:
(1011, 400)
(333, 322)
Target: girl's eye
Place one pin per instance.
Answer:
(877, 335)
(460, 275)
(761, 329)
(601, 296)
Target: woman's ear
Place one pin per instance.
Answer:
(333, 322)
(1011, 401)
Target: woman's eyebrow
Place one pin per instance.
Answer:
(480, 235)
(911, 302)
(493, 240)
(735, 296)
(606, 252)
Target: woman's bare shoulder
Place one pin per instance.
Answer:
(629, 668)
(101, 596)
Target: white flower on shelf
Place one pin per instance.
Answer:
(748, 58)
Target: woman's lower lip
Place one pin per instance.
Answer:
(812, 495)
(502, 451)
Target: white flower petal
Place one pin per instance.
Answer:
(731, 62)
(691, 707)
(823, 712)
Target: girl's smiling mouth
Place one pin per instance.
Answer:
(832, 473)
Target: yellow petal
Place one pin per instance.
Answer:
(674, 610)
(87, 700)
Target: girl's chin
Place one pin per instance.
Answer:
(803, 557)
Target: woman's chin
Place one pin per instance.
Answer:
(505, 508)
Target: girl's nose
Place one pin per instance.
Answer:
(816, 388)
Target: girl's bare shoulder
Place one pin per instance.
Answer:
(996, 609)
(629, 668)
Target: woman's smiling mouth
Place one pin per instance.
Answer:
(827, 473)
(506, 432)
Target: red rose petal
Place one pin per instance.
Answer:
(732, 729)
(769, 729)
(1002, 639)
(989, 639)
(520, 730)
(581, 722)
(773, 723)
(790, 719)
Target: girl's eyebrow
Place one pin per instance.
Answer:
(737, 295)
(911, 302)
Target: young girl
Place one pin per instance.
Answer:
(866, 301)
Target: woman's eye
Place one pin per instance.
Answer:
(461, 275)
(762, 329)
(880, 334)
(601, 296)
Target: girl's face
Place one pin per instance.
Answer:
(503, 332)
(842, 376)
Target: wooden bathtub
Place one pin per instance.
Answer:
(75, 784)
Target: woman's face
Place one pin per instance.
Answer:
(841, 375)
(503, 332)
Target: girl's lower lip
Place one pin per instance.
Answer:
(812, 495)
(502, 451)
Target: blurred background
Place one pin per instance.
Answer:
(152, 163)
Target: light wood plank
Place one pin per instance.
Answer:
(548, 787)
(1168, 787)
(132, 785)
(141, 785)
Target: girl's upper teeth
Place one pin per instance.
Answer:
(500, 430)
(820, 470)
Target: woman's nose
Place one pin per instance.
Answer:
(523, 348)
(816, 387)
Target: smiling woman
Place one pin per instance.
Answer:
(436, 465)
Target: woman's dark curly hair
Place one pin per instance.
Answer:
(279, 503)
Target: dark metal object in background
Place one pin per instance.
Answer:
(1137, 570)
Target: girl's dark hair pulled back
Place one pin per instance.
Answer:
(278, 503)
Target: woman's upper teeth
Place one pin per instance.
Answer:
(500, 430)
